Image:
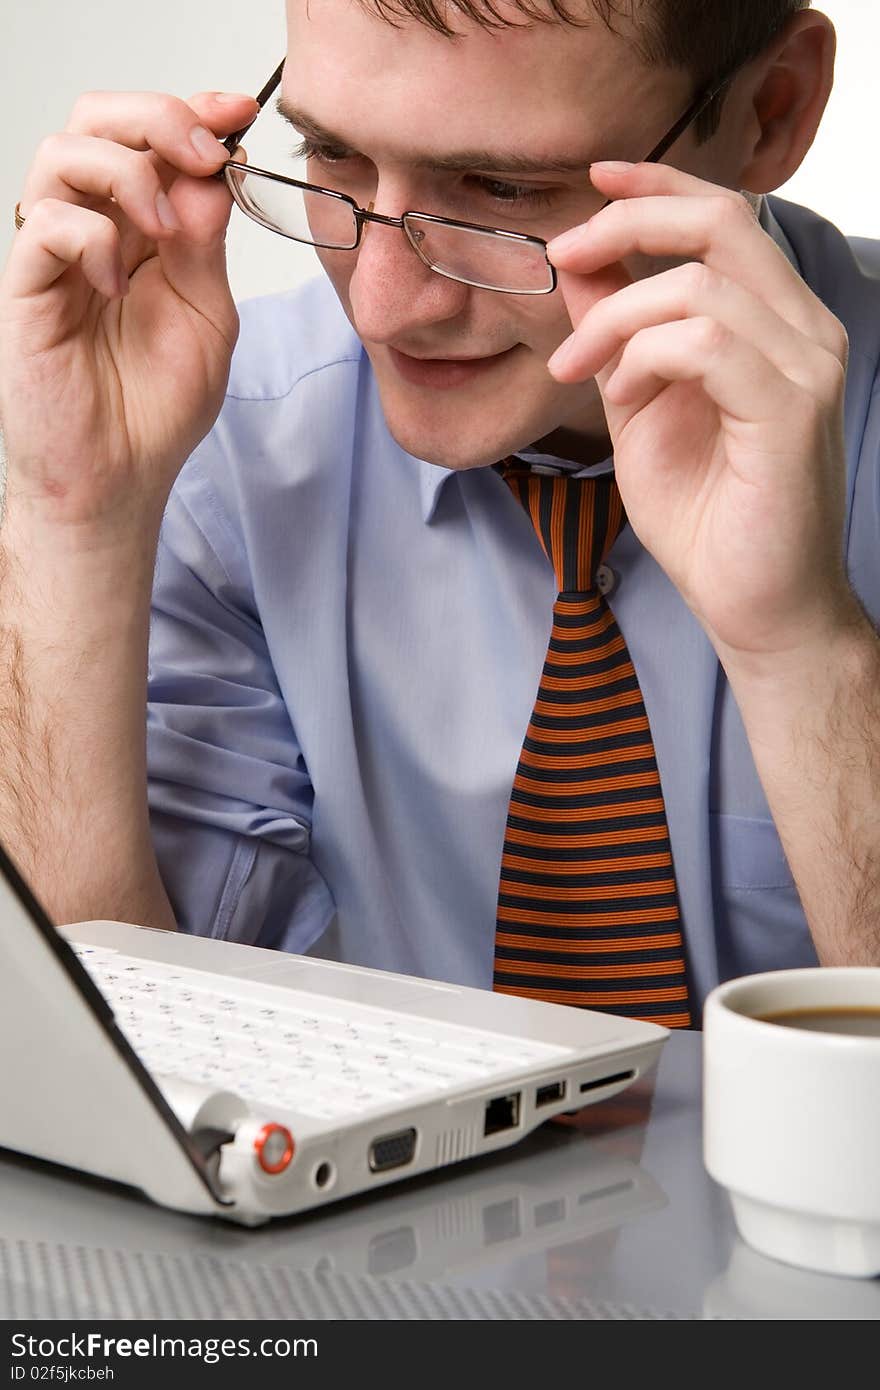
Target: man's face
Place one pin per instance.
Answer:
(394, 98)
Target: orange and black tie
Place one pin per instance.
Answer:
(588, 910)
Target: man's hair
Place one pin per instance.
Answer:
(709, 38)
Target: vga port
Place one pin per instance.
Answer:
(392, 1150)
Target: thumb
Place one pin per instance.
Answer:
(194, 259)
(580, 293)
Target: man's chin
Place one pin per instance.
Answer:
(450, 447)
(453, 423)
(451, 431)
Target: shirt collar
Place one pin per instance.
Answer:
(432, 481)
(434, 477)
(774, 230)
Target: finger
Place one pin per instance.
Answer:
(82, 168)
(206, 105)
(175, 183)
(733, 373)
(168, 130)
(184, 135)
(686, 292)
(617, 179)
(721, 231)
(58, 235)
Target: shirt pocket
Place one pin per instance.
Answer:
(759, 921)
(748, 853)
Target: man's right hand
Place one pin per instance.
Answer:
(117, 319)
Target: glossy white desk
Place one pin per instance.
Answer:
(616, 1219)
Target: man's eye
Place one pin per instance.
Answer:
(513, 192)
(325, 154)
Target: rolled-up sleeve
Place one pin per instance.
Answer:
(229, 790)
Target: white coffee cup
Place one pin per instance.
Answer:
(791, 1117)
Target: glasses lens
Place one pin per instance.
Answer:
(485, 259)
(319, 219)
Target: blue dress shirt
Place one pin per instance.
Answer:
(346, 644)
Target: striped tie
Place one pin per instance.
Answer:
(587, 905)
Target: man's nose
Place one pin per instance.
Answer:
(392, 292)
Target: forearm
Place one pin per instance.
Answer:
(814, 730)
(74, 624)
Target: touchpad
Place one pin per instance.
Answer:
(344, 982)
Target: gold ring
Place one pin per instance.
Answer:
(19, 220)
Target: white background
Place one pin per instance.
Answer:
(54, 49)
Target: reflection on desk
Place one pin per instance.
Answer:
(73, 1249)
(753, 1287)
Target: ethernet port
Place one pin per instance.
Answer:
(502, 1113)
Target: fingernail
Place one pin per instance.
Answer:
(612, 166)
(166, 214)
(206, 145)
(566, 242)
(562, 355)
(227, 98)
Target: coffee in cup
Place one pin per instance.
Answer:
(863, 1023)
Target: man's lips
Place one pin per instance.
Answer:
(443, 372)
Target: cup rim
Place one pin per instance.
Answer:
(725, 997)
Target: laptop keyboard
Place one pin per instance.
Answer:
(318, 1061)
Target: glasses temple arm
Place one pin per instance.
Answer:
(232, 142)
(694, 111)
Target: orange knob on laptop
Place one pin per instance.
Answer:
(275, 1148)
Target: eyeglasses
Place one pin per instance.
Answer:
(489, 258)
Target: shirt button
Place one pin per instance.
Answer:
(606, 580)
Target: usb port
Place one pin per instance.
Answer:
(502, 1113)
(545, 1095)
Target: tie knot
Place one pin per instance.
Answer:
(577, 520)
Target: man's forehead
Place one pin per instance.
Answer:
(347, 65)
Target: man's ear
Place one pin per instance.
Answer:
(790, 86)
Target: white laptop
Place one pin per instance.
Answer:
(239, 1082)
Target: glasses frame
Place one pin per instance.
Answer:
(364, 215)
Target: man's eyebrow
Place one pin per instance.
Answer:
(499, 161)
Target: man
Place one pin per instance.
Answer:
(352, 606)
